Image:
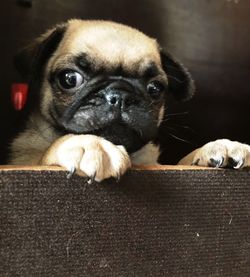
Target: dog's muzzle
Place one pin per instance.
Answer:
(119, 95)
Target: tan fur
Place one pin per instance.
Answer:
(221, 150)
(109, 45)
(89, 155)
(147, 155)
(107, 42)
(29, 147)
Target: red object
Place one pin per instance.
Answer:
(19, 93)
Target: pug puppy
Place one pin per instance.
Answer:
(97, 96)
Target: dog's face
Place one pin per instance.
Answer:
(103, 78)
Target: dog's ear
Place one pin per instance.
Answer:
(31, 59)
(180, 83)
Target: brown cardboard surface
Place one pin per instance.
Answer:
(157, 222)
(135, 167)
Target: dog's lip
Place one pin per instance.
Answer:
(112, 125)
(93, 126)
(99, 130)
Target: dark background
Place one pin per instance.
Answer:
(211, 37)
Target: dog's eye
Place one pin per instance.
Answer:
(155, 88)
(69, 80)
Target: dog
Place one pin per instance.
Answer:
(98, 92)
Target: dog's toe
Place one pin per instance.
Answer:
(236, 163)
(216, 162)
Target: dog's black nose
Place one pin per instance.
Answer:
(119, 99)
(120, 94)
(114, 98)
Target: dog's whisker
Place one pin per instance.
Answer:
(140, 133)
(180, 139)
(177, 114)
(183, 127)
(163, 120)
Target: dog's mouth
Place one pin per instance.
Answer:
(120, 134)
(132, 131)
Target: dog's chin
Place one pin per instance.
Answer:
(118, 134)
(123, 130)
(122, 135)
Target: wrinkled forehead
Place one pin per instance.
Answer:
(109, 44)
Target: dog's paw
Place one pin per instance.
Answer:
(223, 153)
(88, 155)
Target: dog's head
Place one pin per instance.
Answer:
(103, 78)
